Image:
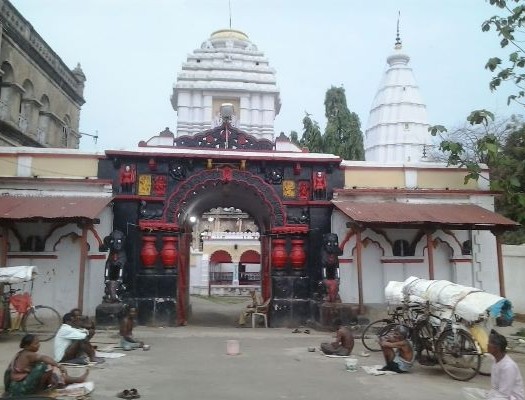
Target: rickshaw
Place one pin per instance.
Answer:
(17, 311)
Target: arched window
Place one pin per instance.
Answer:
(402, 248)
(66, 132)
(43, 120)
(466, 248)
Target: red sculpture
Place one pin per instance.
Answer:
(127, 178)
(160, 184)
(304, 190)
(332, 291)
(279, 256)
(319, 185)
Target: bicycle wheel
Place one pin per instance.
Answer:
(374, 331)
(42, 321)
(458, 354)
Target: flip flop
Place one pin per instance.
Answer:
(134, 393)
(125, 394)
(296, 331)
(307, 331)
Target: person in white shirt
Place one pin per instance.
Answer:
(506, 381)
(72, 344)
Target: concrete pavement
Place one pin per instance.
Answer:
(191, 363)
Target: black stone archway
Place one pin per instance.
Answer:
(225, 187)
(158, 188)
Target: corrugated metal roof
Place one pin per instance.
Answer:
(49, 207)
(420, 214)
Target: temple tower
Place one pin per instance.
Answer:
(397, 129)
(227, 68)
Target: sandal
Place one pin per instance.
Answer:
(125, 394)
(134, 393)
(296, 331)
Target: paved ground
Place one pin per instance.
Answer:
(191, 362)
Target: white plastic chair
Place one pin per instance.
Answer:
(261, 311)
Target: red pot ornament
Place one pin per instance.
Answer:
(169, 253)
(149, 253)
(279, 256)
(297, 254)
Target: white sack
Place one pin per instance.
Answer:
(17, 274)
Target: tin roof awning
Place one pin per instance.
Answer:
(409, 215)
(52, 207)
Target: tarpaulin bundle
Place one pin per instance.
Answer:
(469, 303)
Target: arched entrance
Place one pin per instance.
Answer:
(222, 187)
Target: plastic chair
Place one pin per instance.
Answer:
(261, 311)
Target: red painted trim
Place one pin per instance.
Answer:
(290, 229)
(65, 181)
(35, 256)
(224, 154)
(158, 226)
(82, 267)
(416, 192)
(501, 274)
(52, 155)
(348, 236)
(97, 257)
(403, 261)
(359, 260)
(4, 246)
(314, 203)
(430, 254)
(127, 197)
(346, 260)
(405, 168)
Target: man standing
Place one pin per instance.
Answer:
(344, 341)
(506, 381)
(127, 341)
(72, 343)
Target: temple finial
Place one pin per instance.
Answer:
(398, 39)
(230, 8)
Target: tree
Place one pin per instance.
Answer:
(510, 29)
(312, 138)
(469, 135)
(508, 170)
(294, 138)
(343, 136)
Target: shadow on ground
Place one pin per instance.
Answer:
(216, 311)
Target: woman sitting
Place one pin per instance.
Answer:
(30, 372)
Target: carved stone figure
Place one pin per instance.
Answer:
(329, 256)
(274, 176)
(178, 171)
(115, 265)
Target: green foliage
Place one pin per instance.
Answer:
(343, 135)
(312, 138)
(509, 28)
(294, 138)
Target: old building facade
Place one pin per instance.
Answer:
(40, 97)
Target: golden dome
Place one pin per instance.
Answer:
(229, 34)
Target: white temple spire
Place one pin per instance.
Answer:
(397, 129)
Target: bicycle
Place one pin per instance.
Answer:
(405, 314)
(448, 344)
(40, 320)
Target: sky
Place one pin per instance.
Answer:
(132, 50)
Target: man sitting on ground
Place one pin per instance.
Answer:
(83, 321)
(397, 350)
(344, 341)
(127, 341)
(72, 343)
